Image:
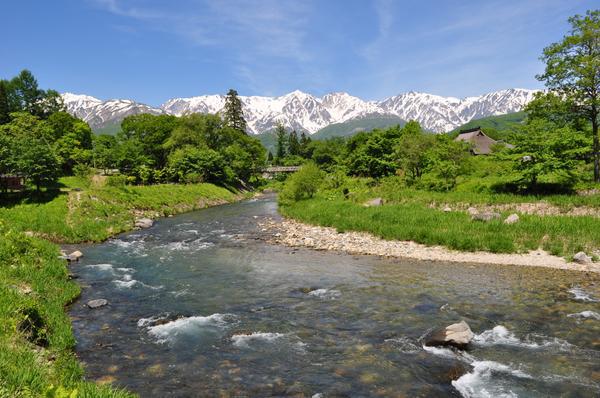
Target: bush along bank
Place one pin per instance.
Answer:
(36, 339)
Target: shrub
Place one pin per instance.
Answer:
(116, 181)
(303, 184)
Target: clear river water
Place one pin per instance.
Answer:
(201, 306)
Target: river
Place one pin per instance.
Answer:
(200, 305)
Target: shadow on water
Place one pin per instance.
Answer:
(200, 306)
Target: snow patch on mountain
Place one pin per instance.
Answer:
(305, 112)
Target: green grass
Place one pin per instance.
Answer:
(394, 191)
(98, 213)
(560, 235)
(33, 281)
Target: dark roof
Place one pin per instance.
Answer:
(481, 143)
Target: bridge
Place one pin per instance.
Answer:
(268, 172)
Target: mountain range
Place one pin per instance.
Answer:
(305, 112)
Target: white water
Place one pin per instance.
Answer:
(581, 295)
(488, 380)
(585, 315)
(170, 332)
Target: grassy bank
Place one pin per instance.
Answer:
(416, 216)
(36, 340)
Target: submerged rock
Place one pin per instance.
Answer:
(457, 335)
(374, 202)
(486, 216)
(97, 303)
(143, 223)
(513, 218)
(582, 258)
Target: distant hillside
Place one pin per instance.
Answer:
(110, 129)
(269, 140)
(354, 126)
(496, 127)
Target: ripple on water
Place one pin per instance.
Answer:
(330, 294)
(258, 339)
(581, 295)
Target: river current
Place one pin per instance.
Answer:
(201, 306)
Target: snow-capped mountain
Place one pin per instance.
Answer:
(305, 112)
(100, 113)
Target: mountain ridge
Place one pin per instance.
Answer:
(305, 112)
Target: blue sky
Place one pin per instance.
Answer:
(151, 50)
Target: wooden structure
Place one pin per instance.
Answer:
(12, 182)
(269, 172)
(481, 144)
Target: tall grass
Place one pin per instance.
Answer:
(560, 235)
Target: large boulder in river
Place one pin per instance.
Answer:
(93, 304)
(457, 335)
(143, 223)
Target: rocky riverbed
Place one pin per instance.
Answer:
(295, 234)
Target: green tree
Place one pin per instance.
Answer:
(104, 151)
(281, 142)
(233, 114)
(151, 132)
(29, 95)
(543, 150)
(305, 140)
(411, 153)
(192, 164)
(294, 148)
(303, 184)
(573, 72)
(4, 104)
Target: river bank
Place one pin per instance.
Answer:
(297, 234)
(36, 337)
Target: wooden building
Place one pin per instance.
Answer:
(481, 144)
(12, 182)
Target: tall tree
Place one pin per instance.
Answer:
(304, 141)
(233, 114)
(4, 106)
(29, 94)
(281, 138)
(293, 143)
(573, 72)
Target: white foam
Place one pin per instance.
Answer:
(480, 382)
(148, 321)
(440, 351)
(102, 267)
(125, 284)
(581, 295)
(586, 315)
(244, 340)
(125, 269)
(128, 282)
(500, 335)
(325, 293)
(169, 332)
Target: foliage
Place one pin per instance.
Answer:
(543, 150)
(233, 114)
(303, 184)
(573, 72)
